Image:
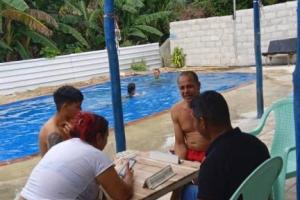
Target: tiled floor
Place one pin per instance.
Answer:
(156, 133)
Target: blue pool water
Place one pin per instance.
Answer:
(21, 121)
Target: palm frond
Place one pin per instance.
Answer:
(70, 19)
(93, 4)
(130, 9)
(149, 29)
(72, 8)
(20, 5)
(136, 3)
(70, 30)
(83, 9)
(40, 39)
(95, 15)
(148, 18)
(28, 20)
(1, 23)
(23, 52)
(93, 26)
(3, 45)
(138, 33)
(43, 16)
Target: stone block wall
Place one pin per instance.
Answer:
(221, 41)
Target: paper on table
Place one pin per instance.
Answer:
(159, 177)
(166, 157)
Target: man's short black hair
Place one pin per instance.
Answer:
(130, 88)
(212, 106)
(191, 74)
(67, 94)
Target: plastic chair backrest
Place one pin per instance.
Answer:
(283, 143)
(284, 135)
(258, 185)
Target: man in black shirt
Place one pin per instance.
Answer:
(232, 154)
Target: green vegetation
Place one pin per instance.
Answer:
(178, 57)
(35, 28)
(49, 52)
(139, 66)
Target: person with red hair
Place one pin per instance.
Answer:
(75, 168)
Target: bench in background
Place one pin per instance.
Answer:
(285, 47)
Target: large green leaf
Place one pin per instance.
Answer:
(1, 24)
(148, 18)
(5, 46)
(94, 15)
(83, 9)
(26, 19)
(40, 39)
(130, 9)
(70, 30)
(74, 7)
(138, 33)
(71, 19)
(23, 52)
(17, 4)
(135, 3)
(149, 29)
(41, 15)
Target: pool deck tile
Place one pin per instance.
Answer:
(156, 132)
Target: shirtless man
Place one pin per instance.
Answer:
(189, 144)
(68, 102)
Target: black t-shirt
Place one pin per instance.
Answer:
(229, 160)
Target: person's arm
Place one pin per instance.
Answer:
(180, 146)
(114, 186)
(43, 141)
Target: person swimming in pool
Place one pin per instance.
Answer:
(68, 100)
(156, 73)
(131, 90)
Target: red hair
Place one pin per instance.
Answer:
(86, 126)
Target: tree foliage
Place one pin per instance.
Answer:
(34, 28)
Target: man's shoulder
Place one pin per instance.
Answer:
(237, 140)
(48, 127)
(177, 107)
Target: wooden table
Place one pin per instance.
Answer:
(146, 166)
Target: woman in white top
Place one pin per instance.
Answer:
(75, 168)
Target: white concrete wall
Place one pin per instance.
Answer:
(30, 74)
(211, 41)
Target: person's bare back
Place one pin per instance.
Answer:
(50, 128)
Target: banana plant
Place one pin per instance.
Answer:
(178, 57)
(137, 26)
(16, 20)
(83, 20)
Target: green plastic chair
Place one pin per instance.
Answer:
(258, 185)
(283, 143)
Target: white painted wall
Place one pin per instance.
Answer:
(30, 74)
(210, 41)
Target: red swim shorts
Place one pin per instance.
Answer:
(195, 155)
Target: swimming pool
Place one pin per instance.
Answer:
(21, 121)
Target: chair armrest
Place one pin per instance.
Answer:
(288, 150)
(261, 124)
